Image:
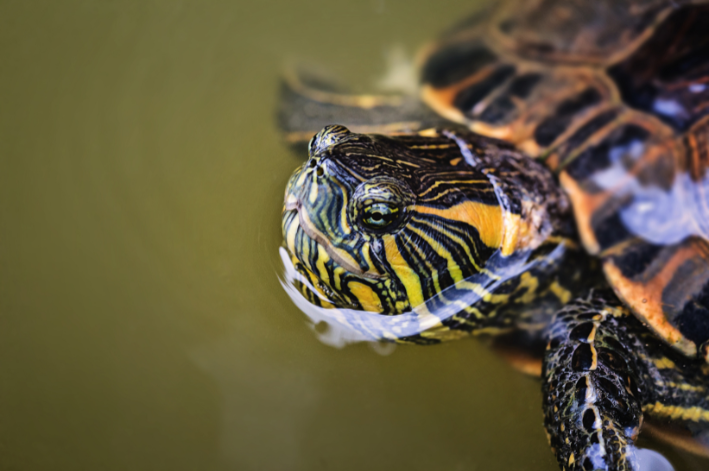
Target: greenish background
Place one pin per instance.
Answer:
(142, 323)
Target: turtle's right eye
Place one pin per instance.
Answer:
(379, 215)
(380, 204)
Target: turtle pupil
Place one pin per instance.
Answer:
(379, 216)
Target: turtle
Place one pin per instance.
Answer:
(548, 185)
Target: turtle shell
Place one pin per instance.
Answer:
(614, 95)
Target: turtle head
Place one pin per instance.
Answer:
(374, 223)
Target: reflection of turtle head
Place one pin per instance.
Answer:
(384, 224)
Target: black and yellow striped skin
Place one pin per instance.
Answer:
(614, 96)
(517, 268)
(481, 233)
(604, 373)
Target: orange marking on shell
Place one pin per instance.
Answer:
(584, 204)
(505, 133)
(645, 299)
(530, 147)
(696, 150)
(441, 100)
(585, 49)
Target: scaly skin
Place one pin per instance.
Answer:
(603, 371)
(472, 236)
(612, 95)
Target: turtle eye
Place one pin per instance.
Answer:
(380, 205)
(379, 215)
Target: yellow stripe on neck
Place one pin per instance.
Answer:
(695, 414)
(404, 272)
(485, 218)
(497, 228)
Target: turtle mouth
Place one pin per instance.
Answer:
(292, 203)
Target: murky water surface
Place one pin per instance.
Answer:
(142, 322)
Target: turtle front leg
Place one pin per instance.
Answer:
(592, 397)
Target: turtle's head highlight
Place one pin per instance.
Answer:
(372, 223)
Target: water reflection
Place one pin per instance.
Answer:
(346, 326)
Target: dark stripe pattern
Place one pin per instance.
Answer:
(603, 371)
(667, 76)
(442, 252)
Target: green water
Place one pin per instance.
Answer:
(142, 323)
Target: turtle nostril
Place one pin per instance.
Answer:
(319, 172)
(312, 163)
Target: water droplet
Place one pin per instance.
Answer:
(383, 348)
(322, 327)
